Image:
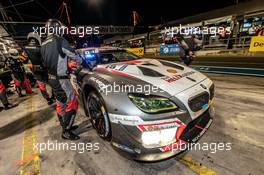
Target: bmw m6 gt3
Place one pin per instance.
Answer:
(151, 126)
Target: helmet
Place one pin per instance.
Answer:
(53, 23)
(35, 36)
(13, 53)
(85, 45)
(54, 26)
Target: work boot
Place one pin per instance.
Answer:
(67, 134)
(4, 100)
(20, 93)
(9, 106)
(69, 119)
(74, 127)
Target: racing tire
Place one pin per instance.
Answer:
(98, 115)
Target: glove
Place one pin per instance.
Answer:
(72, 64)
(74, 67)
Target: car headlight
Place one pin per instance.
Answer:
(159, 138)
(150, 104)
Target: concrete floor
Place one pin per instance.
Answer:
(239, 120)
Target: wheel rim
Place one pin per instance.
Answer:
(97, 117)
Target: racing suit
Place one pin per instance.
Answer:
(20, 79)
(3, 97)
(40, 73)
(4, 79)
(55, 52)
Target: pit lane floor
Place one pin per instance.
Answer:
(239, 120)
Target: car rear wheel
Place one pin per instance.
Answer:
(98, 115)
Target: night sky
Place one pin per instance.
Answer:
(114, 12)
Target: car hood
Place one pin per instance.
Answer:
(170, 77)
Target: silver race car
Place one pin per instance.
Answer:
(147, 108)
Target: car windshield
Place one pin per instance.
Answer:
(106, 57)
(92, 59)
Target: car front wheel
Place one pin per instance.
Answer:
(98, 115)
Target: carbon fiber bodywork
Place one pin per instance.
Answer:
(128, 122)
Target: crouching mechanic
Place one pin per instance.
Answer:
(19, 74)
(56, 54)
(32, 50)
(3, 97)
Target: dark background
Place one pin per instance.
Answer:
(112, 12)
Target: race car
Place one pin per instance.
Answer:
(147, 108)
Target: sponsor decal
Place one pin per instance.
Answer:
(173, 71)
(100, 84)
(137, 51)
(169, 49)
(145, 125)
(257, 44)
(172, 79)
(177, 77)
(124, 119)
(115, 29)
(159, 126)
(203, 131)
(118, 67)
